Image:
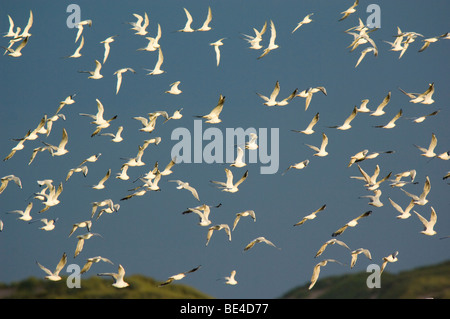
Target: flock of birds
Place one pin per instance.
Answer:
(49, 194)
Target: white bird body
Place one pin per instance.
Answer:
(272, 45)
(101, 183)
(309, 129)
(54, 276)
(330, 242)
(24, 214)
(355, 254)
(363, 107)
(391, 123)
(213, 116)
(252, 145)
(119, 73)
(96, 73)
(305, 20)
(174, 88)
(428, 225)
(157, 70)
(351, 223)
(17, 52)
(216, 46)
(346, 125)
(308, 94)
(246, 213)
(187, 26)
(422, 199)
(218, 227)
(86, 223)
(392, 258)
(238, 162)
(178, 276)
(81, 169)
(49, 224)
(80, 243)
(300, 165)
(260, 239)
(349, 11)
(106, 44)
(321, 152)
(255, 40)
(374, 199)
(186, 186)
(404, 213)
(6, 179)
(92, 260)
(429, 152)
(230, 280)
(205, 26)
(229, 186)
(316, 271)
(116, 138)
(118, 277)
(379, 110)
(311, 216)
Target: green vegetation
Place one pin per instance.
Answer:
(425, 282)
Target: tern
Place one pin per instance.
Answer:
(51, 199)
(363, 106)
(230, 280)
(229, 186)
(272, 45)
(138, 24)
(308, 93)
(428, 225)
(54, 276)
(321, 152)
(444, 156)
(420, 119)
(391, 123)
(141, 28)
(238, 162)
(410, 173)
(246, 213)
(374, 199)
(92, 260)
(188, 187)
(271, 100)
(81, 169)
(309, 129)
(300, 165)
(49, 224)
(178, 276)
(392, 258)
(174, 88)
(349, 11)
(108, 210)
(346, 125)
(429, 152)
(17, 52)
(80, 27)
(24, 214)
(175, 116)
(19, 146)
(119, 73)
(351, 223)
(379, 110)
(358, 157)
(316, 271)
(203, 212)
(364, 52)
(77, 53)
(157, 69)
(10, 33)
(252, 145)
(187, 26)
(6, 179)
(423, 98)
(355, 254)
(80, 243)
(118, 277)
(167, 170)
(428, 41)
(218, 227)
(255, 40)
(116, 138)
(98, 118)
(330, 242)
(91, 159)
(213, 116)
(86, 223)
(216, 46)
(205, 26)
(67, 101)
(106, 44)
(96, 73)
(101, 183)
(310, 216)
(260, 239)
(371, 181)
(404, 213)
(61, 148)
(305, 20)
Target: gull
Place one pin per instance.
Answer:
(36, 150)
(391, 123)
(379, 110)
(349, 11)
(186, 186)
(136, 161)
(351, 223)
(429, 152)
(330, 242)
(213, 116)
(106, 44)
(229, 186)
(205, 26)
(252, 145)
(92, 260)
(49, 123)
(202, 212)
(167, 170)
(91, 159)
(187, 26)
(363, 107)
(255, 41)
(358, 157)
(116, 138)
(49, 224)
(355, 254)
(444, 156)
(371, 181)
(423, 98)
(51, 199)
(308, 93)
(98, 118)
(54, 276)
(309, 129)
(410, 173)
(108, 210)
(118, 277)
(428, 225)
(157, 69)
(321, 152)
(389, 259)
(80, 243)
(17, 52)
(24, 214)
(138, 24)
(95, 205)
(67, 101)
(100, 184)
(428, 41)
(61, 148)
(6, 179)
(310, 216)
(80, 27)
(77, 53)
(10, 32)
(374, 199)
(260, 239)
(238, 162)
(174, 88)
(82, 169)
(153, 184)
(119, 77)
(218, 227)
(346, 125)
(175, 116)
(152, 44)
(178, 276)
(19, 146)
(305, 20)
(141, 28)
(86, 223)
(316, 271)
(96, 73)
(272, 45)
(148, 125)
(423, 118)
(271, 100)
(246, 213)
(300, 165)
(216, 46)
(404, 213)
(34, 133)
(364, 52)
(230, 280)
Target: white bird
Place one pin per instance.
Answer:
(148, 124)
(51, 199)
(138, 24)
(428, 41)
(98, 118)
(108, 210)
(422, 199)
(358, 157)
(187, 26)
(272, 45)
(67, 101)
(80, 243)
(349, 11)
(91, 159)
(246, 213)
(429, 152)
(346, 125)
(392, 258)
(444, 156)
(379, 110)
(77, 52)
(404, 213)
(255, 40)
(371, 181)
(186, 186)
(119, 73)
(230, 280)
(157, 69)
(218, 227)
(410, 173)
(17, 51)
(364, 52)
(174, 88)
(229, 186)
(363, 106)
(203, 212)
(178, 276)
(118, 277)
(101, 183)
(107, 44)
(80, 27)
(321, 152)
(330, 242)
(316, 271)
(81, 169)
(216, 46)
(260, 239)
(116, 138)
(355, 254)
(167, 170)
(308, 93)
(213, 116)
(309, 129)
(428, 225)
(92, 260)
(10, 33)
(49, 224)
(6, 179)
(238, 162)
(374, 199)
(141, 28)
(96, 73)
(420, 119)
(175, 116)
(391, 123)
(351, 223)
(205, 26)
(305, 20)
(310, 216)
(271, 100)
(252, 145)
(24, 214)
(423, 98)
(54, 276)
(300, 165)
(61, 148)
(18, 147)
(86, 223)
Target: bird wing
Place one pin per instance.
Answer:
(243, 178)
(62, 262)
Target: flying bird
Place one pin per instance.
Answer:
(213, 116)
(179, 276)
(309, 129)
(246, 213)
(106, 44)
(6, 179)
(420, 119)
(380, 108)
(351, 223)
(92, 260)
(80, 243)
(316, 271)
(118, 277)
(423, 98)
(80, 27)
(305, 20)
(422, 199)
(230, 280)
(272, 45)
(329, 243)
(252, 144)
(428, 225)
(310, 216)
(101, 183)
(321, 152)
(81, 169)
(355, 254)
(229, 186)
(77, 52)
(86, 223)
(392, 258)
(346, 125)
(205, 26)
(174, 88)
(218, 227)
(24, 214)
(255, 40)
(238, 162)
(119, 73)
(300, 165)
(260, 239)
(54, 276)
(186, 186)
(159, 62)
(374, 199)
(308, 94)
(391, 123)
(96, 73)
(216, 46)
(271, 100)
(17, 52)
(404, 213)
(349, 11)
(187, 26)
(116, 138)
(429, 152)
(364, 52)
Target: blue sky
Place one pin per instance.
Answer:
(149, 235)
